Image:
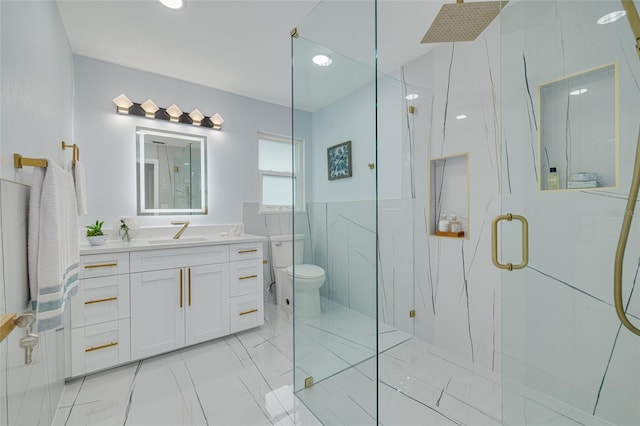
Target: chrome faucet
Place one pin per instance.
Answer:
(184, 224)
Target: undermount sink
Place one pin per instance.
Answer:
(178, 241)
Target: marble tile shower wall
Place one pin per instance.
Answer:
(563, 338)
(457, 289)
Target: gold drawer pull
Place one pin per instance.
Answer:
(248, 312)
(248, 277)
(97, 348)
(108, 299)
(101, 265)
(247, 251)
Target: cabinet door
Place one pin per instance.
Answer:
(207, 302)
(157, 312)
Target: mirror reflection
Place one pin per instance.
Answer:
(173, 178)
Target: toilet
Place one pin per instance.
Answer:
(308, 278)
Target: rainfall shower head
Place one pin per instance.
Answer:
(462, 21)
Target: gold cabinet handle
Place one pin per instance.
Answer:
(248, 312)
(525, 241)
(189, 287)
(108, 299)
(248, 277)
(97, 348)
(101, 265)
(181, 288)
(247, 251)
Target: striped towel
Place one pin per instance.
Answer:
(53, 253)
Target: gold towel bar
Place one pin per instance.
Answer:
(76, 151)
(19, 161)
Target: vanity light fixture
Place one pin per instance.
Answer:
(196, 116)
(611, 17)
(322, 60)
(173, 4)
(150, 108)
(461, 117)
(217, 121)
(173, 113)
(123, 103)
(411, 96)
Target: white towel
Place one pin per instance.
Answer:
(52, 244)
(77, 170)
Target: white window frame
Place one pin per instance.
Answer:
(298, 171)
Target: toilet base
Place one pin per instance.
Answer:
(307, 302)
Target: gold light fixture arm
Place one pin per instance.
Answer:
(634, 22)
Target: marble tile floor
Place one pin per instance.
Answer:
(246, 379)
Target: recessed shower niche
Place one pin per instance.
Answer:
(449, 196)
(578, 131)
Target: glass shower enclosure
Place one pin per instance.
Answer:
(527, 137)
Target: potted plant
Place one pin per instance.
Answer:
(95, 235)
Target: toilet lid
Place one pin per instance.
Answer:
(306, 271)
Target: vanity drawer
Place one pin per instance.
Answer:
(154, 260)
(100, 265)
(100, 346)
(99, 300)
(245, 277)
(245, 251)
(246, 312)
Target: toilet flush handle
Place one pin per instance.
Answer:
(277, 243)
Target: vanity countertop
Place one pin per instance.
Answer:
(114, 246)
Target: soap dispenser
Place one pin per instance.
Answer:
(553, 180)
(443, 223)
(454, 224)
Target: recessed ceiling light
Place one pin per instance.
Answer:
(173, 4)
(611, 17)
(322, 60)
(577, 92)
(461, 117)
(411, 96)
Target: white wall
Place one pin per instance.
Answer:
(107, 139)
(36, 114)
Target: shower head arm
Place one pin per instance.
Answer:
(634, 21)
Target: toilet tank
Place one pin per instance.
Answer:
(282, 249)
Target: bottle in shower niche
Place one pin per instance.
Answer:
(443, 223)
(553, 180)
(454, 224)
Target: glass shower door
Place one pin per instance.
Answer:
(334, 113)
(570, 102)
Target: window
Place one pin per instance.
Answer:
(280, 170)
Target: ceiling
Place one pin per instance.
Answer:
(243, 46)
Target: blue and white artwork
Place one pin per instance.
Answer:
(339, 161)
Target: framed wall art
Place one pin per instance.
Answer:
(339, 161)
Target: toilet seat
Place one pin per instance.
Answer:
(306, 271)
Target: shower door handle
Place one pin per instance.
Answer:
(525, 241)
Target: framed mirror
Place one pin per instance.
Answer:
(171, 172)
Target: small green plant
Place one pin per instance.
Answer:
(95, 229)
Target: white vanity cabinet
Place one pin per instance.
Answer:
(245, 286)
(134, 302)
(179, 297)
(99, 314)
